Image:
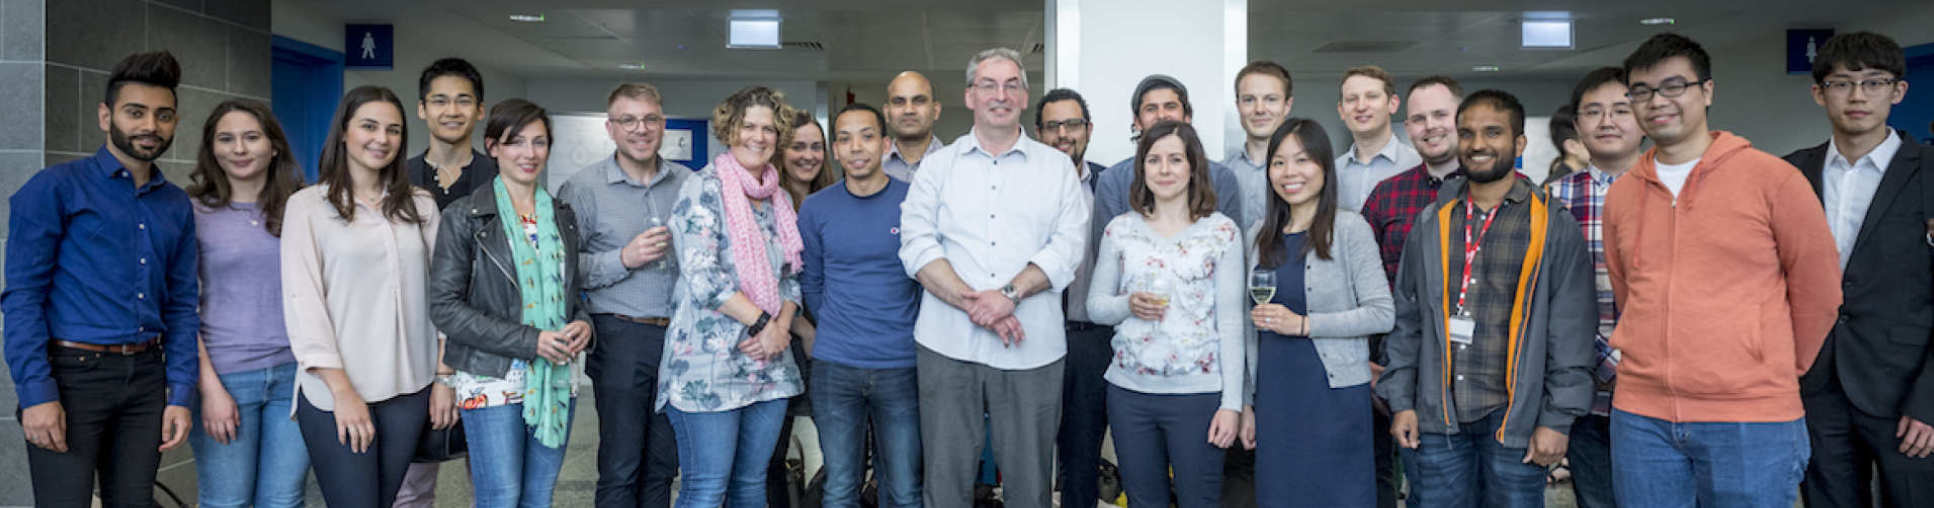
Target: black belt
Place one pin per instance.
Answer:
(1080, 326)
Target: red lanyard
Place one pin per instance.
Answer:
(1471, 246)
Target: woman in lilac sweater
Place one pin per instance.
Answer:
(248, 451)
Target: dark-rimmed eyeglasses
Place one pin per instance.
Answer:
(1669, 89)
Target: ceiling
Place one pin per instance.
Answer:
(869, 39)
(1430, 38)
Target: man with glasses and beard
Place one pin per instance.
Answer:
(101, 301)
(1489, 360)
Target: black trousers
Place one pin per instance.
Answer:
(1847, 447)
(369, 479)
(637, 456)
(113, 404)
(1084, 412)
(1386, 453)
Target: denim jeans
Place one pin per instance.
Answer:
(1471, 468)
(508, 466)
(371, 478)
(1590, 454)
(845, 400)
(265, 465)
(1661, 464)
(723, 454)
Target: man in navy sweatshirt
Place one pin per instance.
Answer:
(865, 306)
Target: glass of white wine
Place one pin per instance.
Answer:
(1159, 287)
(1262, 285)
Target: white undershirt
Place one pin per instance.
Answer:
(1674, 175)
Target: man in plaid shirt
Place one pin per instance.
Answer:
(1611, 134)
(1392, 206)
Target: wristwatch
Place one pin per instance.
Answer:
(1013, 294)
(759, 325)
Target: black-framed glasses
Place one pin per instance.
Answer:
(1669, 89)
(1872, 86)
(630, 123)
(1073, 124)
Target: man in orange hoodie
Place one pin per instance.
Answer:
(1727, 281)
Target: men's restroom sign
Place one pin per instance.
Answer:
(369, 47)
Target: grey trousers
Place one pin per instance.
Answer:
(1024, 407)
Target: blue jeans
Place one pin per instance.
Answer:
(722, 455)
(1471, 468)
(265, 464)
(845, 400)
(1657, 463)
(508, 466)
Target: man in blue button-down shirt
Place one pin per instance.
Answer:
(100, 302)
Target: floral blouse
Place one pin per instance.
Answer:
(703, 370)
(1197, 346)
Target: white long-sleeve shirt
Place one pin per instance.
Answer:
(990, 216)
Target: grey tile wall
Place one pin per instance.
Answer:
(64, 117)
(22, 30)
(20, 98)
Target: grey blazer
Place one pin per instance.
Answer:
(1349, 300)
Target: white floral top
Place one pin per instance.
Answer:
(703, 370)
(1197, 346)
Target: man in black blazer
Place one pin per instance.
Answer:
(1870, 396)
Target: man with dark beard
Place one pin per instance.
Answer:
(101, 299)
(1489, 360)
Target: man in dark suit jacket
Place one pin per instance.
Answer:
(1870, 396)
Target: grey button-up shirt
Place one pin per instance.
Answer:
(1075, 299)
(896, 165)
(1355, 179)
(612, 209)
(1253, 177)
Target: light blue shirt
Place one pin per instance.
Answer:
(1355, 179)
(1847, 188)
(1253, 178)
(895, 164)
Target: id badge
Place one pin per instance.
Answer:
(1461, 329)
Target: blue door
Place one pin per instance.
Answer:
(1915, 114)
(307, 84)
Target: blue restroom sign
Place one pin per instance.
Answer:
(369, 47)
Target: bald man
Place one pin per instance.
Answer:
(911, 110)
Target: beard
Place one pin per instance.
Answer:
(1500, 168)
(123, 142)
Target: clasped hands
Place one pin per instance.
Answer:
(994, 311)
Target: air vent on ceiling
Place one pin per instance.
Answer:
(1365, 46)
(805, 45)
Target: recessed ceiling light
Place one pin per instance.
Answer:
(753, 29)
(527, 18)
(1547, 34)
(1484, 68)
(632, 66)
(1657, 21)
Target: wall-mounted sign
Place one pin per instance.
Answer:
(369, 47)
(1801, 46)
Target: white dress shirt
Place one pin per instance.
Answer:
(1847, 188)
(1355, 179)
(990, 215)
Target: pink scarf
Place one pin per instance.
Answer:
(756, 279)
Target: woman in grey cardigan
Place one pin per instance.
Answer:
(1308, 362)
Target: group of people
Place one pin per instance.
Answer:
(1280, 328)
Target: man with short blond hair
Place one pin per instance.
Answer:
(1369, 97)
(623, 205)
(1264, 95)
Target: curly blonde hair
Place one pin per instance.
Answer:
(730, 113)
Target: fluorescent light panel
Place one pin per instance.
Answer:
(1547, 33)
(527, 18)
(753, 29)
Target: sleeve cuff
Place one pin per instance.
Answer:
(181, 394)
(36, 393)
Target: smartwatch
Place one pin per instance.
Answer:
(760, 324)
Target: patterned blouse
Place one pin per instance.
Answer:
(703, 370)
(1197, 346)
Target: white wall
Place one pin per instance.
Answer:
(415, 49)
(690, 99)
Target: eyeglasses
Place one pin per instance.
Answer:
(632, 122)
(1073, 124)
(1669, 89)
(462, 102)
(988, 87)
(1871, 86)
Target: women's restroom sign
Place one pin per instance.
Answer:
(369, 47)
(1802, 45)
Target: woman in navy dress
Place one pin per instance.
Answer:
(1309, 370)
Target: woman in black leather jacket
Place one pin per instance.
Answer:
(503, 289)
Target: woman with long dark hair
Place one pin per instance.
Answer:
(247, 450)
(355, 263)
(1309, 370)
(1168, 277)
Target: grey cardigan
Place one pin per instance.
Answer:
(1349, 300)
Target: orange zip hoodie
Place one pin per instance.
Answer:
(1726, 293)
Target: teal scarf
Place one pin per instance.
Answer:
(547, 386)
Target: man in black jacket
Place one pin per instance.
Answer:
(1870, 396)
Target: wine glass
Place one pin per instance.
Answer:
(1262, 285)
(654, 222)
(1160, 288)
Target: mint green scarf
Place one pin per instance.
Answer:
(547, 386)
